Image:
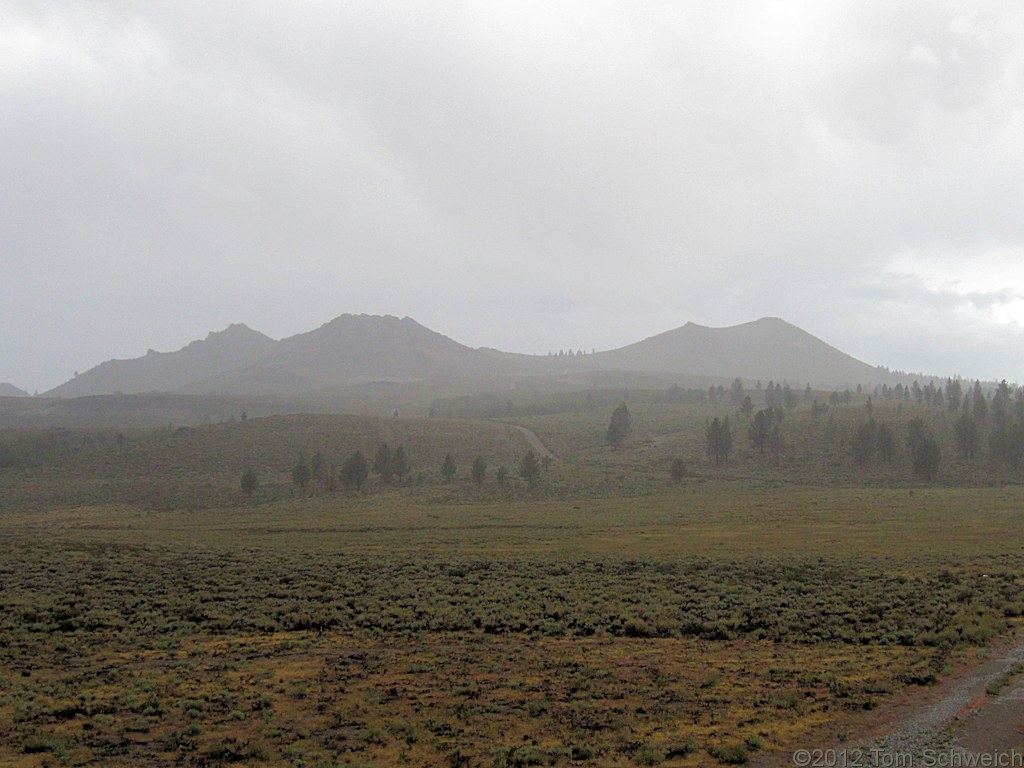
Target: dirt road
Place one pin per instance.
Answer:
(959, 718)
(534, 441)
(952, 725)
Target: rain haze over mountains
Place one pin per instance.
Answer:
(525, 177)
(352, 350)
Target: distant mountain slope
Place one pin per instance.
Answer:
(235, 346)
(350, 349)
(359, 349)
(9, 390)
(354, 349)
(766, 349)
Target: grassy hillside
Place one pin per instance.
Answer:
(200, 467)
(153, 410)
(816, 449)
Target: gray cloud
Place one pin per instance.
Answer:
(527, 176)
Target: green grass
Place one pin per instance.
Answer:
(893, 524)
(997, 686)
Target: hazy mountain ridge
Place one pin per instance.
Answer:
(9, 390)
(235, 346)
(766, 349)
(352, 350)
(357, 348)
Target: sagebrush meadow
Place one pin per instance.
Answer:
(612, 611)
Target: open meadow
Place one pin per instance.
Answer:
(151, 613)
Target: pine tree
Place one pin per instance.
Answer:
(885, 439)
(864, 442)
(718, 439)
(760, 429)
(382, 463)
(965, 436)
(954, 394)
(318, 469)
(355, 470)
(301, 473)
(479, 471)
(400, 463)
(250, 482)
(747, 406)
(979, 404)
(925, 453)
(620, 427)
(736, 391)
(529, 468)
(678, 471)
(448, 467)
(926, 457)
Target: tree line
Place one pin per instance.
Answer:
(391, 468)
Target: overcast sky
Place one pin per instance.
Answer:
(528, 176)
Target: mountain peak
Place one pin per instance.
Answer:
(363, 319)
(235, 331)
(775, 322)
(235, 346)
(352, 348)
(767, 348)
(9, 390)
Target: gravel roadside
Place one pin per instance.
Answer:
(932, 733)
(954, 724)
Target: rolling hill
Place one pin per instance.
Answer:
(358, 350)
(766, 349)
(200, 466)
